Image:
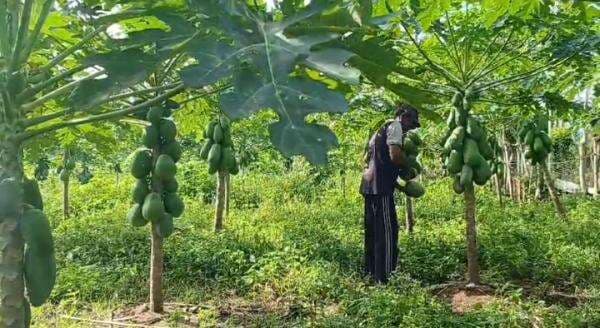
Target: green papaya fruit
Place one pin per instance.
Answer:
(70, 165)
(485, 149)
(227, 141)
(165, 226)
(218, 134)
(214, 156)
(153, 209)
(455, 141)
(168, 131)
(155, 114)
(174, 205)
(444, 139)
(32, 194)
(538, 145)
(210, 129)
(165, 167)
(140, 191)
(471, 155)
(414, 189)
(523, 132)
(11, 195)
(171, 185)
(36, 231)
(173, 150)
(135, 217)
(227, 159)
(482, 174)
(454, 162)
(142, 163)
(225, 123)
(466, 176)
(151, 136)
(546, 140)
(414, 163)
(409, 147)
(458, 188)
(474, 129)
(529, 137)
(40, 275)
(415, 138)
(235, 169)
(64, 175)
(451, 120)
(206, 148)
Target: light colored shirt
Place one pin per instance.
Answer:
(394, 133)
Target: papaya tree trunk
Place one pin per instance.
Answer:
(498, 183)
(582, 169)
(227, 193)
(596, 166)
(471, 232)
(12, 288)
(156, 272)
(220, 205)
(410, 215)
(558, 205)
(66, 211)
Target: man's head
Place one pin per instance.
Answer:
(408, 116)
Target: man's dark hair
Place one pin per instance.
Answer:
(404, 108)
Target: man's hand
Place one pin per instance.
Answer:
(397, 156)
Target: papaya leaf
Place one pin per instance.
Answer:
(262, 60)
(122, 69)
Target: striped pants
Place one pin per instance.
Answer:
(381, 236)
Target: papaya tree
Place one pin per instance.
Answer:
(469, 52)
(218, 151)
(35, 74)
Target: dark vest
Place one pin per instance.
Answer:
(381, 175)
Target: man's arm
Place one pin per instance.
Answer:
(394, 142)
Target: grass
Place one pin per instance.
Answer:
(291, 256)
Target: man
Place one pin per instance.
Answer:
(386, 161)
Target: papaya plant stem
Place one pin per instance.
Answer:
(12, 296)
(4, 42)
(434, 66)
(492, 60)
(452, 56)
(35, 34)
(21, 35)
(31, 91)
(156, 272)
(58, 92)
(483, 55)
(471, 233)
(69, 51)
(220, 201)
(410, 215)
(558, 205)
(101, 117)
(453, 39)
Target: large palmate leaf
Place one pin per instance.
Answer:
(263, 60)
(123, 69)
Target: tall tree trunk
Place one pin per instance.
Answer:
(596, 165)
(66, 212)
(558, 205)
(582, 169)
(410, 215)
(472, 248)
(220, 205)
(498, 183)
(12, 288)
(156, 272)
(227, 193)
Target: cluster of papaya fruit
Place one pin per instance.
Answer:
(406, 183)
(466, 147)
(217, 149)
(24, 200)
(155, 191)
(535, 136)
(66, 170)
(497, 161)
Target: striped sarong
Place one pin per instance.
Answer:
(381, 236)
